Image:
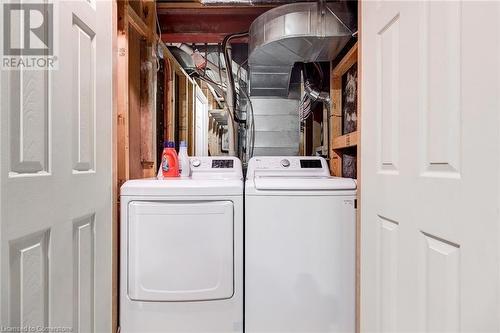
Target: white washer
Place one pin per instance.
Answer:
(299, 247)
(182, 251)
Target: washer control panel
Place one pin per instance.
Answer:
(292, 162)
(289, 165)
(285, 163)
(310, 164)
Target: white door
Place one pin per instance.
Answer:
(56, 177)
(430, 166)
(201, 123)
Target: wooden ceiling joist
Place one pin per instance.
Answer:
(195, 23)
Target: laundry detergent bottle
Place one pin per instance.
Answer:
(169, 161)
(184, 160)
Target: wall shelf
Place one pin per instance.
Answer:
(344, 114)
(345, 141)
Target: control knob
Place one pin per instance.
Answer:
(285, 163)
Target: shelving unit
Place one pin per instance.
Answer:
(341, 143)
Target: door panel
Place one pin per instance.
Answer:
(180, 251)
(56, 179)
(430, 144)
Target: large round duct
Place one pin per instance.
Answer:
(299, 32)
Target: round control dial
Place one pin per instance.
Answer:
(196, 163)
(285, 163)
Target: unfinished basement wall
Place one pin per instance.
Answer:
(178, 99)
(136, 77)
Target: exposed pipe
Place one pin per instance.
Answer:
(231, 93)
(315, 94)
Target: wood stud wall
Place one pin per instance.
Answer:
(136, 34)
(135, 132)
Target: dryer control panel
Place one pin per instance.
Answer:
(222, 164)
(217, 166)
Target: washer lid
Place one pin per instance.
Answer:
(303, 183)
(182, 187)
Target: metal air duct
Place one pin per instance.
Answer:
(299, 32)
(279, 38)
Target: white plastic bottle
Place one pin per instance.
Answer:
(185, 168)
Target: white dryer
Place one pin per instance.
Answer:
(299, 247)
(181, 260)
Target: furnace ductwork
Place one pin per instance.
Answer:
(279, 38)
(299, 32)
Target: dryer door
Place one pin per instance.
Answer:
(180, 250)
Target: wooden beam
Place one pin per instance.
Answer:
(205, 24)
(149, 12)
(134, 104)
(122, 121)
(336, 163)
(147, 79)
(166, 7)
(347, 61)
(199, 38)
(137, 23)
(345, 141)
